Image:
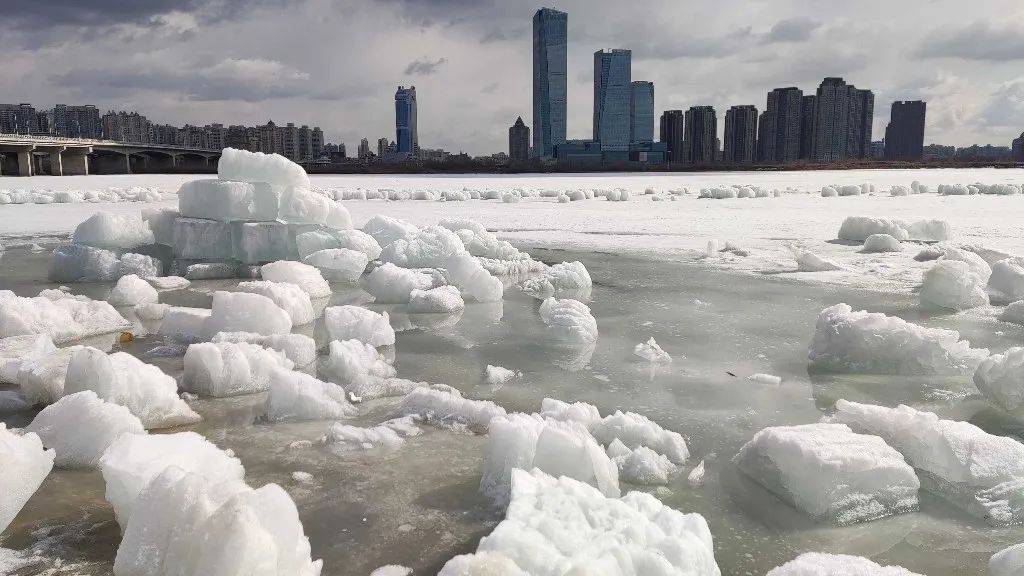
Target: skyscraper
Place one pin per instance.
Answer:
(779, 130)
(740, 135)
(807, 107)
(700, 144)
(550, 38)
(842, 121)
(641, 112)
(904, 136)
(671, 133)
(519, 141)
(405, 121)
(77, 121)
(612, 94)
(862, 115)
(364, 149)
(1018, 148)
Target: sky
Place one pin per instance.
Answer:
(337, 63)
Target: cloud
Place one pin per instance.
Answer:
(499, 35)
(1004, 107)
(976, 41)
(791, 30)
(424, 66)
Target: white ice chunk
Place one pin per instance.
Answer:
(257, 242)
(560, 279)
(1007, 280)
(131, 290)
(61, 316)
(858, 228)
(299, 396)
(185, 325)
(498, 376)
(113, 232)
(298, 348)
(820, 564)
(385, 229)
(139, 264)
(202, 239)
(391, 284)
(881, 243)
(952, 285)
(1000, 378)
(651, 352)
(79, 427)
(359, 241)
(161, 222)
(25, 465)
(289, 297)
(440, 300)
(42, 379)
(386, 436)
(636, 430)
(228, 201)
(355, 322)
(356, 366)
(1013, 313)
(811, 262)
(244, 312)
(569, 320)
(125, 380)
(431, 247)
(472, 279)
(245, 166)
(831, 473)
(338, 264)
(230, 368)
(446, 407)
(582, 412)
(873, 343)
(641, 466)
(929, 231)
(1007, 562)
(15, 350)
(299, 205)
(80, 263)
(302, 275)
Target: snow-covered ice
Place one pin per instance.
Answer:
(59, 315)
(80, 427)
(230, 368)
(881, 243)
(302, 275)
(289, 297)
(358, 323)
(569, 320)
(113, 232)
(820, 564)
(299, 396)
(245, 312)
(25, 465)
(245, 166)
(1000, 378)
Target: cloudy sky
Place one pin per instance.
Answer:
(336, 63)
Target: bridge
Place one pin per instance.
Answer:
(25, 155)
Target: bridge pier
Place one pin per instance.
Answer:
(75, 163)
(25, 162)
(56, 162)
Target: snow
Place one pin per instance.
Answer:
(472, 279)
(1007, 280)
(1007, 562)
(569, 320)
(275, 169)
(440, 300)
(299, 396)
(298, 348)
(873, 343)
(881, 243)
(1013, 313)
(557, 526)
(302, 275)
(184, 325)
(244, 312)
(134, 460)
(498, 376)
(228, 201)
(831, 473)
(391, 284)
(386, 436)
(955, 458)
(562, 279)
(230, 368)
(651, 352)
(79, 427)
(952, 285)
(123, 379)
(15, 350)
(446, 407)
(131, 290)
(112, 232)
(358, 323)
(819, 564)
(810, 262)
(25, 465)
(287, 296)
(1000, 378)
(338, 264)
(61, 316)
(559, 448)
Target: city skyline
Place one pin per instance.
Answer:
(225, 71)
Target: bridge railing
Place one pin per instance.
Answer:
(38, 139)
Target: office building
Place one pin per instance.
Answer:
(550, 39)
(904, 135)
(1018, 148)
(612, 94)
(641, 112)
(519, 141)
(406, 141)
(672, 135)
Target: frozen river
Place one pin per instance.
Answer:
(420, 505)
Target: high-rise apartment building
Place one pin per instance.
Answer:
(519, 141)
(780, 126)
(700, 143)
(862, 115)
(740, 135)
(843, 116)
(550, 37)
(19, 119)
(904, 136)
(364, 149)
(672, 134)
(641, 112)
(612, 94)
(1018, 148)
(406, 139)
(807, 107)
(77, 121)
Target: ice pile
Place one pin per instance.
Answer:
(562, 279)
(100, 250)
(123, 379)
(229, 368)
(563, 526)
(1000, 378)
(59, 315)
(856, 477)
(358, 323)
(872, 343)
(108, 194)
(569, 320)
(819, 564)
(1007, 281)
(25, 465)
(952, 285)
(958, 460)
(298, 396)
(80, 427)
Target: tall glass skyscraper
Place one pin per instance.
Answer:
(612, 95)
(406, 139)
(641, 112)
(550, 39)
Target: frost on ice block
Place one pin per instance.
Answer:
(873, 343)
(79, 427)
(61, 316)
(831, 473)
(956, 459)
(25, 465)
(562, 526)
(818, 564)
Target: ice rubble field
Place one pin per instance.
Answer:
(245, 361)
